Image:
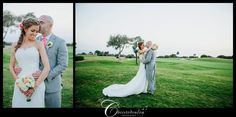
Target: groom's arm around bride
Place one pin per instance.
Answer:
(58, 58)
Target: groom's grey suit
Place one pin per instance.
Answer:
(58, 60)
(149, 60)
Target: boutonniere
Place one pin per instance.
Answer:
(50, 44)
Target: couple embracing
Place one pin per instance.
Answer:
(43, 59)
(144, 80)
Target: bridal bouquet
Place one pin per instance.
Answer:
(154, 47)
(26, 83)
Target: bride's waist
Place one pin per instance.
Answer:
(27, 71)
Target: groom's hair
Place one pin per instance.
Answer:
(48, 18)
(149, 43)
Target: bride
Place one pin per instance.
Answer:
(26, 53)
(136, 86)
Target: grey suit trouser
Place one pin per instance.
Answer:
(53, 100)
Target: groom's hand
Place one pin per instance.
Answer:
(36, 74)
(17, 70)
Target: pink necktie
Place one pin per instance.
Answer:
(44, 41)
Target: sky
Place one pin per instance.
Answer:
(190, 28)
(62, 14)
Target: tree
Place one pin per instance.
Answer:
(204, 56)
(97, 52)
(130, 56)
(173, 56)
(177, 53)
(134, 42)
(119, 42)
(11, 22)
(225, 57)
(106, 53)
(166, 56)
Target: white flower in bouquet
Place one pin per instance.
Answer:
(154, 46)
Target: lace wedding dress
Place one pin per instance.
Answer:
(28, 60)
(135, 86)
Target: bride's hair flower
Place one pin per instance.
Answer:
(50, 44)
(21, 26)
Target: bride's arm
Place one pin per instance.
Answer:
(13, 61)
(45, 62)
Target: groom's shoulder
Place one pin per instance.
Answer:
(150, 51)
(59, 39)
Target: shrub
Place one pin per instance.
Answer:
(79, 58)
(130, 56)
(225, 57)
(193, 56)
(203, 56)
(160, 57)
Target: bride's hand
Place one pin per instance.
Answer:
(24, 92)
(29, 92)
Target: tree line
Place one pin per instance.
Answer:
(106, 53)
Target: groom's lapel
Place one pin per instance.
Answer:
(51, 39)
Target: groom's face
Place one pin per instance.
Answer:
(45, 25)
(149, 44)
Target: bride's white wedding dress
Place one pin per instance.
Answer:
(28, 60)
(135, 86)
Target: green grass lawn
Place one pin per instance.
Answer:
(8, 83)
(197, 83)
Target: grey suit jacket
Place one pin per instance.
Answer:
(58, 60)
(149, 60)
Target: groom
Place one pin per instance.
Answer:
(58, 59)
(149, 60)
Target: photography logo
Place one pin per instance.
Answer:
(112, 110)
